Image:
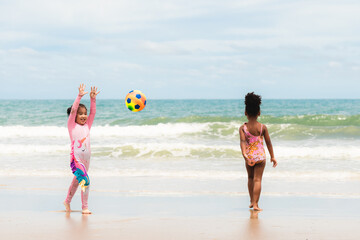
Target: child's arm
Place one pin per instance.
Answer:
(243, 143)
(269, 146)
(91, 117)
(75, 106)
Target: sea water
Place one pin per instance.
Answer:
(189, 142)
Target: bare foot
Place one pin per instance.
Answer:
(67, 207)
(86, 211)
(251, 205)
(256, 208)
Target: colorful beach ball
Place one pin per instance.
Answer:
(135, 100)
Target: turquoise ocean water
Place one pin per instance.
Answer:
(185, 140)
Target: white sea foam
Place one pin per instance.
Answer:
(212, 130)
(185, 150)
(218, 151)
(32, 149)
(38, 131)
(158, 130)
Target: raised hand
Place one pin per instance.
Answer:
(94, 92)
(82, 90)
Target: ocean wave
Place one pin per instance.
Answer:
(306, 120)
(20, 131)
(198, 151)
(323, 120)
(302, 132)
(104, 131)
(204, 116)
(206, 130)
(32, 149)
(173, 151)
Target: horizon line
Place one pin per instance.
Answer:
(186, 99)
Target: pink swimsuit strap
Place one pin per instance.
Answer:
(246, 130)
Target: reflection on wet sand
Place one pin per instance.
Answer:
(254, 225)
(254, 214)
(78, 227)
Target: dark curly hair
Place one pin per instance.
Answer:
(252, 104)
(69, 108)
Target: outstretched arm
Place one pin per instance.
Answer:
(269, 146)
(75, 106)
(93, 95)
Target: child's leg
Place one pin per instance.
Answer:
(258, 173)
(85, 195)
(250, 172)
(84, 198)
(72, 190)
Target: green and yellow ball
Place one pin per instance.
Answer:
(135, 100)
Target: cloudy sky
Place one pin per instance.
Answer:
(180, 48)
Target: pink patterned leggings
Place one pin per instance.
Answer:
(74, 186)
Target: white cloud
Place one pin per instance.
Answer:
(177, 43)
(94, 15)
(207, 46)
(335, 64)
(118, 66)
(252, 32)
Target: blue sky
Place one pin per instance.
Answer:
(180, 48)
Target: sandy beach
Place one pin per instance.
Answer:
(37, 213)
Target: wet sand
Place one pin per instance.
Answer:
(39, 214)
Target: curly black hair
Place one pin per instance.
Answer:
(252, 104)
(69, 108)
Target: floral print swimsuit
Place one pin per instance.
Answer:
(254, 145)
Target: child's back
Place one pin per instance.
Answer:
(252, 136)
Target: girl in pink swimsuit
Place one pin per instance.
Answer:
(79, 125)
(252, 136)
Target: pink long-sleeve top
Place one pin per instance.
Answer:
(80, 134)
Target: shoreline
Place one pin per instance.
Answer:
(38, 214)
